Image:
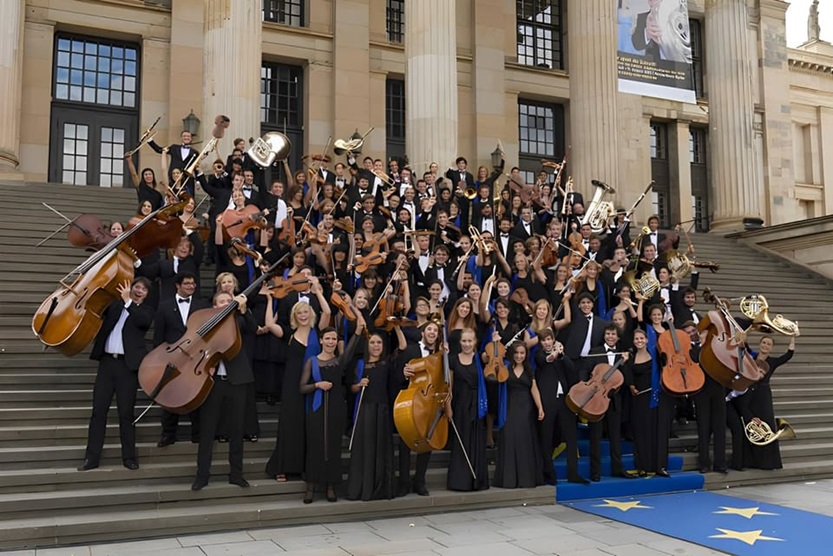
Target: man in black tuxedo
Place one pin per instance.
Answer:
(459, 177)
(586, 331)
(442, 271)
(425, 347)
(119, 348)
(187, 257)
(613, 416)
(169, 326)
(682, 302)
(181, 155)
(227, 402)
(251, 190)
(527, 226)
(504, 239)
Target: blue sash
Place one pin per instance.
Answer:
(534, 349)
(315, 399)
(482, 398)
(502, 395)
(656, 381)
(601, 301)
(359, 377)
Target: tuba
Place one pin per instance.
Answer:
(756, 308)
(672, 18)
(759, 433)
(599, 212)
(269, 148)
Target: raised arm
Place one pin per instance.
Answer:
(133, 174)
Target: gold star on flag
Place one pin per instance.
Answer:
(624, 506)
(749, 537)
(748, 513)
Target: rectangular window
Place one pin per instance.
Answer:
(74, 154)
(697, 149)
(659, 141)
(395, 118)
(697, 55)
(111, 157)
(280, 94)
(96, 71)
(660, 172)
(540, 33)
(540, 134)
(395, 19)
(286, 12)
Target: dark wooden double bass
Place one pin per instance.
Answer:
(70, 317)
(180, 375)
(681, 376)
(591, 399)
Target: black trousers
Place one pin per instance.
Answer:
(613, 418)
(113, 377)
(225, 402)
(562, 424)
(422, 461)
(711, 420)
(736, 411)
(170, 422)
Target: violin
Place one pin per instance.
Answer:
(179, 376)
(681, 376)
(344, 223)
(287, 234)
(87, 231)
(495, 355)
(281, 287)
(237, 222)
(521, 297)
(577, 250)
(376, 242)
(402, 322)
(549, 253)
(590, 399)
(368, 260)
(389, 305)
(341, 302)
(70, 317)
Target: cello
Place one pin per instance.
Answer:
(87, 231)
(70, 317)
(590, 399)
(418, 410)
(179, 376)
(165, 230)
(681, 376)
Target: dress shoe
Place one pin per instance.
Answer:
(663, 473)
(199, 483)
(250, 438)
(331, 495)
(403, 489)
(308, 495)
(704, 470)
(721, 470)
(595, 478)
(579, 480)
(87, 465)
(271, 400)
(239, 481)
(736, 468)
(165, 441)
(222, 439)
(419, 488)
(131, 464)
(624, 475)
(195, 440)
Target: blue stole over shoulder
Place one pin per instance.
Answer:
(482, 398)
(359, 377)
(315, 399)
(656, 381)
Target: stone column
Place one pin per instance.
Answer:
(732, 161)
(682, 210)
(233, 55)
(593, 93)
(431, 82)
(11, 75)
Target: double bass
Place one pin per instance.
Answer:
(70, 317)
(418, 410)
(179, 376)
(591, 399)
(87, 231)
(681, 376)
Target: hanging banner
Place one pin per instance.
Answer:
(655, 49)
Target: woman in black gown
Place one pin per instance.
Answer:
(371, 454)
(760, 406)
(468, 409)
(519, 454)
(323, 383)
(288, 457)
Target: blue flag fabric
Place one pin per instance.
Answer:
(311, 353)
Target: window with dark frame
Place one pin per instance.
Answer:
(540, 33)
(660, 171)
(697, 148)
(395, 20)
(96, 71)
(659, 141)
(281, 109)
(540, 135)
(395, 118)
(286, 12)
(696, 30)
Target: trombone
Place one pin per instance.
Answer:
(147, 136)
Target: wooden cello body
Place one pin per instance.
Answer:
(418, 410)
(591, 399)
(681, 376)
(722, 357)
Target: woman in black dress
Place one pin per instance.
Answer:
(462, 316)
(468, 409)
(519, 454)
(322, 382)
(760, 406)
(288, 457)
(371, 454)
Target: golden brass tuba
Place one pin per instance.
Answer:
(269, 148)
(759, 433)
(756, 308)
(599, 212)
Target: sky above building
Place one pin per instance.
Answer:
(797, 21)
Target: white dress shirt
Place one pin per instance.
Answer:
(585, 349)
(115, 343)
(183, 305)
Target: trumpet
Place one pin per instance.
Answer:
(756, 308)
(759, 433)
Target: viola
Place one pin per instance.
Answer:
(368, 260)
(590, 399)
(237, 222)
(344, 223)
(495, 369)
(402, 322)
(179, 376)
(341, 302)
(577, 250)
(549, 253)
(281, 287)
(87, 231)
(70, 317)
(376, 242)
(681, 376)
(390, 305)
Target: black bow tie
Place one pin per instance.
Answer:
(609, 349)
(589, 317)
(247, 188)
(184, 300)
(504, 235)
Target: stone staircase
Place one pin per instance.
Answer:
(45, 404)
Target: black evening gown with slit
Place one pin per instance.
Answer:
(519, 454)
(472, 431)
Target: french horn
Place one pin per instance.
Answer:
(759, 433)
(269, 148)
(645, 284)
(756, 308)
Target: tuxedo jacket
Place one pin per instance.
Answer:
(615, 397)
(175, 152)
(520, 231)
(454, 176)
(135, 327)
(167, 326)
(639, 41)
(577, 332)
(191, 263)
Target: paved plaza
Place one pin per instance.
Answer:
(513, 531)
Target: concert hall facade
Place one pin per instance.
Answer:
(85, 78)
